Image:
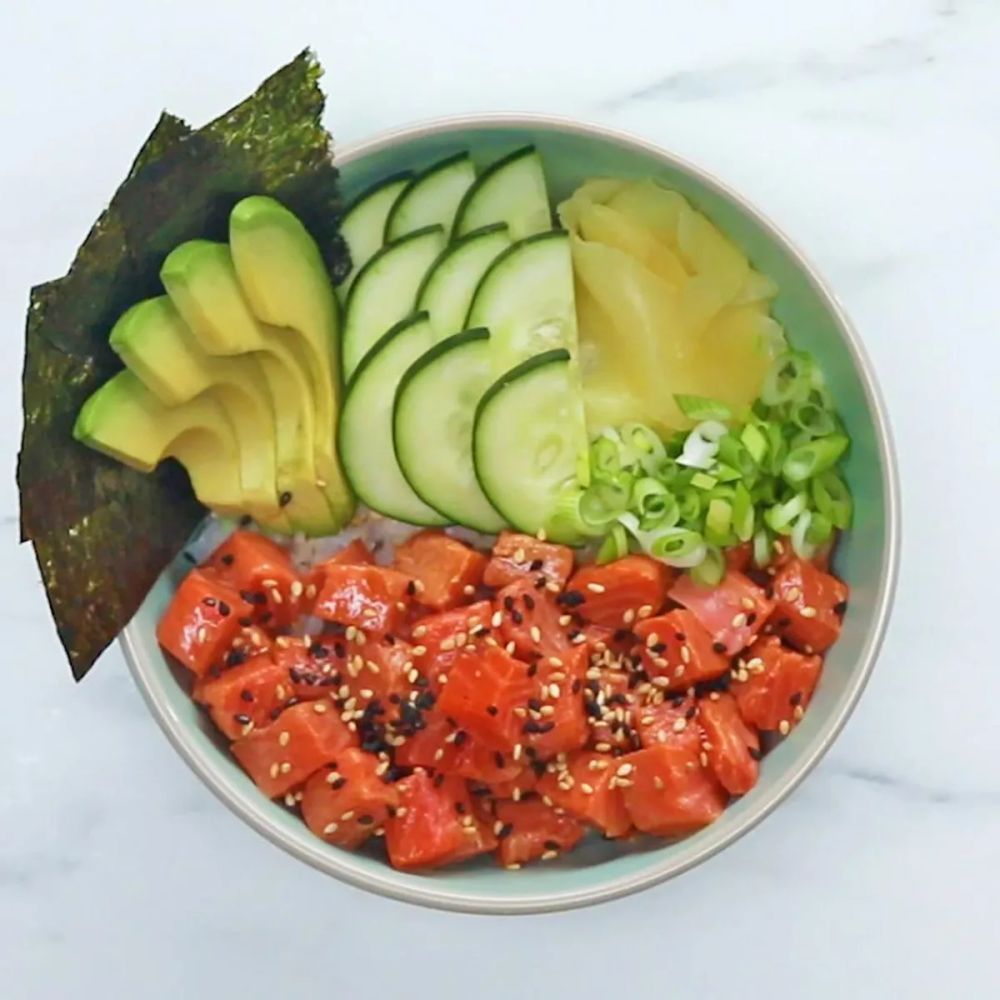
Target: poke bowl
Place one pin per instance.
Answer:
(865, 557)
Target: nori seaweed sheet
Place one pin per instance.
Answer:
(102, 532)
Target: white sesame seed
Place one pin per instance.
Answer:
(497, 620)
(792, 594)
(330, 828)
(276, 596)
(565, 620)
(350, 632)
(419, 631)
(808, 612)
(296, 588)
(657, 782)
(439, 753)
(784, 727)
(647, 720)
(442, 678)
(279, 692)
(460, 639)
(680, 725)
(516, 754)
(686, 654)
(368, 613)
(541, 535)
(578, 638)
(289, 799)
(652, 639)
(419, 650)
(602, 747)
(284, 737)
(739, 620)
(283, 642)
(273, 770)
(510, 648)
(549, 855)
(596, 588)
(552, 587)
(645, 610)
(202, 633)
(547, 710)
(310, 591)
(468, 590)
(623, 770)
(554, 661)
(516, 795)
(679, 670)
(447, 644)
(347, 815)
(554, 691)
(536, 633)
(513, 866)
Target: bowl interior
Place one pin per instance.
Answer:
(866, 558)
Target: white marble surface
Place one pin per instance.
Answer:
(869, 131)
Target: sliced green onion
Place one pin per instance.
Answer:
(777, 447)
(702, 408)
(800, 544)
(820, 529)
(678, 547)
(583, 469)
(813, 419)
(718, 520)
(702, 445)
(711, 569)
(727, 474)
(605, 458)
(811, 459)
(654, 504)
(761, 548)
(614, 546)
(579, 512)
(789, 379)
(734, 453)
(703, 481)
(689, 504)
(642, 445)
(743, 514)
(779, 518)
(832, 499)
(755, 442)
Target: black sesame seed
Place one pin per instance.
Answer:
(460, 737)
(751, 618)
(719, 647)
(536, 565)
(460, 808)
(571, 599)
(680, 637)
(660, 647)
(438, 780)
(275, 712)
(224, 609)
(245, 520)
(265, 617)
(575, 688)
(532, 669)
(534, 704)
(285, 499)
(840, 607)
(246, 695)
(339, 783)
(339, 650)
(492, 709)
(499, 759)
(529, 602)
(691, 713)
(551, 845)
(366, 819)
(245, 621)
(538, 766)
(508, 603)
(755, 753)
(390, 640)
(505, 831)
(480, 790)
(516, 617)
(228, 559)
(235, 657)
(411, 588)
(796, 699)
(783, 623)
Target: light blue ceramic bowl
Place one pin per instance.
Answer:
(867, 558)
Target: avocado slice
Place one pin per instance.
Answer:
(125, 421)
(286, 284)
(202, 285)
(155, 343)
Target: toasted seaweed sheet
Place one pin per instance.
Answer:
(103, 533)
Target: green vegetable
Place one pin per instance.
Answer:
(102, 532)
(614, 546)
(709, 488)
(700, 408)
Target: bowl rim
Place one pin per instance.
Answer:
(151, 682)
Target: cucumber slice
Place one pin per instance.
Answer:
(450, 284)
(386, 290)
(526, 300)
(365, 436)
(363, 224)
(431, 198)
(512, 190)
(527, 437)
(436, 403)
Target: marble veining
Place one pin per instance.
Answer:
(868, 131)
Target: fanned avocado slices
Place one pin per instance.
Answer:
(103, 532)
